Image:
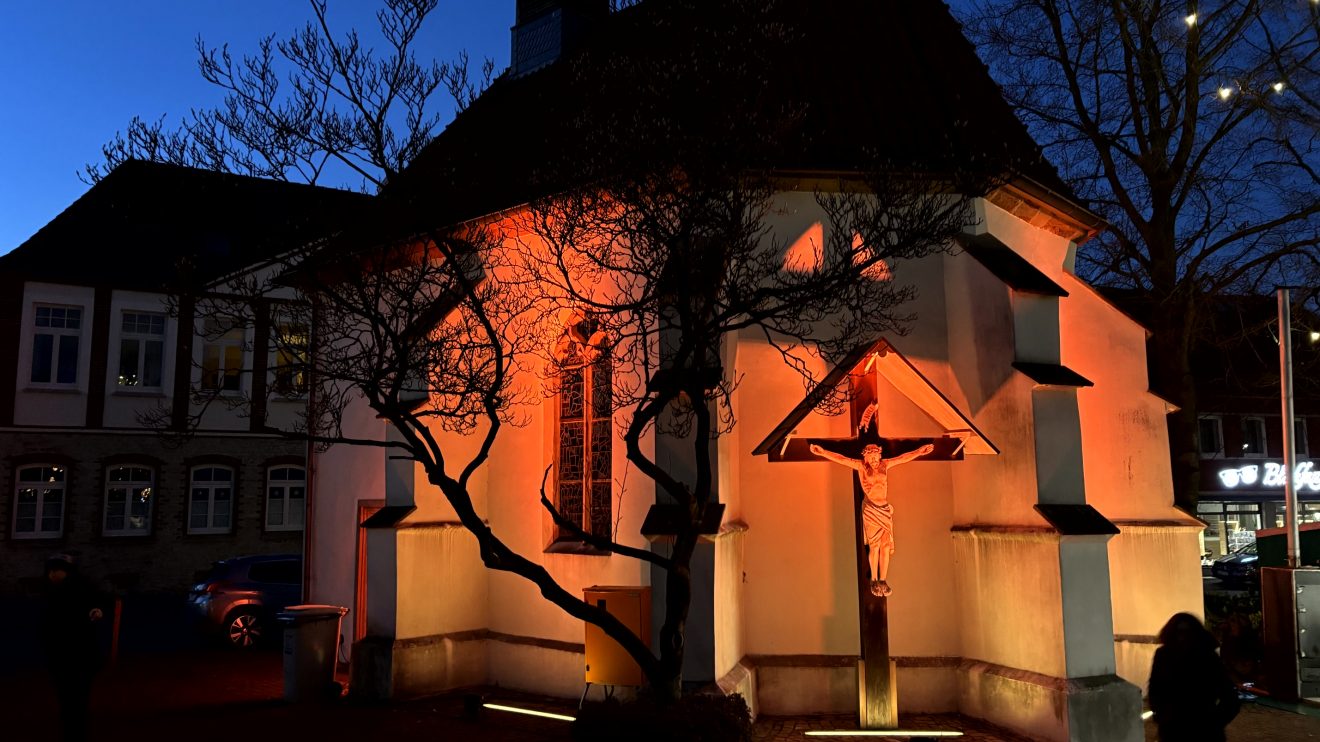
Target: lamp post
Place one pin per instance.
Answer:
(1289, 429)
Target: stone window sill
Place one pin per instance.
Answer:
(144, 394)
(571, 546)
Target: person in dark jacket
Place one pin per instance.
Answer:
(1190, 691)
(68, 635)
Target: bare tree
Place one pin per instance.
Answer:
(312, 106)
(1192, 129)
(412, 325)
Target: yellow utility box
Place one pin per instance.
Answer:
(607, 662)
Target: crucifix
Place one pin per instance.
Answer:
(865, 452)
(868, 454)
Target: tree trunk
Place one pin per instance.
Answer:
(678, 598)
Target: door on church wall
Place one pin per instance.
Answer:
(366, 509)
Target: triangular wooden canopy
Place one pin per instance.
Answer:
(885, 359)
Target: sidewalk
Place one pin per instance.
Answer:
(219, 695)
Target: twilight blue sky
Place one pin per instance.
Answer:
(74, 72)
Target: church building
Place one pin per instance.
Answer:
(1036, 551)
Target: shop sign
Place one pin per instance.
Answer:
(1271, 474)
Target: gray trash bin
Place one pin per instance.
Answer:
(311, 648)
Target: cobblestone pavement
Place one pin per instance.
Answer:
(1260, 723)
(219, 696)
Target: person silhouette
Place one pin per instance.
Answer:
(1190, 691)
(68, 635)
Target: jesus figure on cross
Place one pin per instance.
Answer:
(877, 512)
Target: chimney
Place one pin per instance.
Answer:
(547, 28)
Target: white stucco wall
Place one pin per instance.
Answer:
(343, 475)
(978, 574)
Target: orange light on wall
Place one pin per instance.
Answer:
(806, 254)
(876, 271)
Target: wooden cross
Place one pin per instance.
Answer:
(877, 695)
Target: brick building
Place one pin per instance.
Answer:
(131, 433)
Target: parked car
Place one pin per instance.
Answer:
(1238, 568)
(239, 597)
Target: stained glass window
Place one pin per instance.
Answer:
(584, 471)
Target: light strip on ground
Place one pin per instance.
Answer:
(883, 733)
(529, 712)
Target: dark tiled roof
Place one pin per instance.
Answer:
(144, 222)
(869, 80)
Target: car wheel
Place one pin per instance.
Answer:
(244, 628)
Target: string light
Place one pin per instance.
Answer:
(1225, 93)
(1278, 87)
(1190, 20)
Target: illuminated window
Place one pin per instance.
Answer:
(584, 483)
(128, 491)
(1210, 436)
(1253, 436)
(39, 502)
(286, 494)
(58, 331)
(222, 357)
(141, 349)
(211, 500)
(288, 360)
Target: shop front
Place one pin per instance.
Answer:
(1242, 496)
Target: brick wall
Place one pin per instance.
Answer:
(166, 558)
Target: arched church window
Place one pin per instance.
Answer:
(584, 436)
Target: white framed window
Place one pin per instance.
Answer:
(1210, 436)
(1253, 437)
(141, 350)
(39, 501)
(222, 357)
(128, 491)
(211, 499)
(286, 495)
(1299, 436)
(55, 339)
(288, 360)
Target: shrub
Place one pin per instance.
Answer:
(692, 718)
(1235, 622)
